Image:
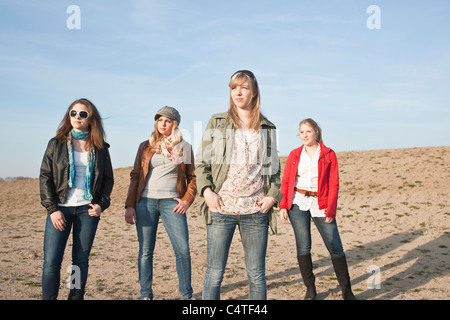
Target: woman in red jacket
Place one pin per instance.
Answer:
(310, 187)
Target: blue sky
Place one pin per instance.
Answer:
(368, 89)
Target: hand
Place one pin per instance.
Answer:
(284, 214)
(266, 203)
(213, 200)
(95, 210)
(182, 206)
(329, 219)
(58, 220)
(130, 215)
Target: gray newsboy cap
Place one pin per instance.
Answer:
(170, 113)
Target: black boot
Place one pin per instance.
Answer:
(306, 269)
(75, 294)
(341, 269)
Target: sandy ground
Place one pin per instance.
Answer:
(393, 216)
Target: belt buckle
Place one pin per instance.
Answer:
(307, 194)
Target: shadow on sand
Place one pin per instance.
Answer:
(429, 260)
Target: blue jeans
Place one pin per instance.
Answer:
(254, 234)
(147, 216)
(84, 228)
(301, 222)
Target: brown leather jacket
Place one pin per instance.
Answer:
(186, 182)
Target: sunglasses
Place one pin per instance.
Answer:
(81, 114)
(247, 72)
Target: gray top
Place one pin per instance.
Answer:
(161, 180)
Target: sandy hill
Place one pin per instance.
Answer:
(393, 216)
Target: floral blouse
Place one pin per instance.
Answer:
(243, 186)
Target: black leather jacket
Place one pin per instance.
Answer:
(54, 176)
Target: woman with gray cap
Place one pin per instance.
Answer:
(162, 184)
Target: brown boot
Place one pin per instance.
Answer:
(306, 269)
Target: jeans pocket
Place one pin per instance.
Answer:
(82, 211)
(141, 203)
(218, 217)
(261, 218)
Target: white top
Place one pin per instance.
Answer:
(75, 195)
(307, 179)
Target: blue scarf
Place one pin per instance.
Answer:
(89, 168)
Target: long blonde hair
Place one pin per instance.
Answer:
(176, 137)
(236, 80)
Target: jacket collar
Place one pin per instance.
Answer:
(323, 150)
(224, 115)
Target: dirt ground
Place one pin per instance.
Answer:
(393, 217)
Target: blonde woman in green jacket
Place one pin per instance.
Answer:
(238, 178)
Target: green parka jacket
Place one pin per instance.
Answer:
(214, 156)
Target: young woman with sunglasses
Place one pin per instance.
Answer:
(76, 180)
(310, 188)
(238, 178)
(162, 184)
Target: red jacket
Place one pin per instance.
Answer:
(328, 182)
